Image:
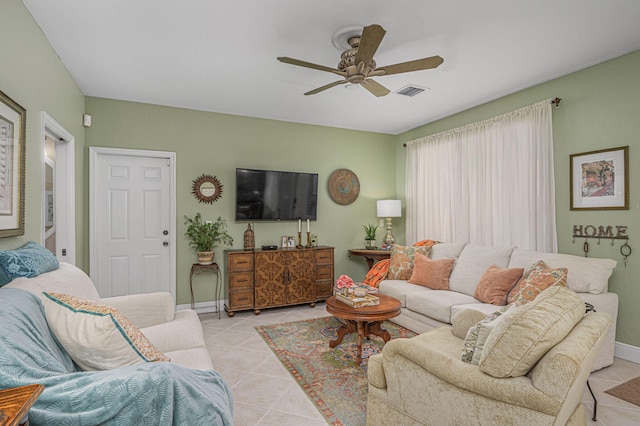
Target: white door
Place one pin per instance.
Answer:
(132, 221)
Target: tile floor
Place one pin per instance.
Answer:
(266, 394)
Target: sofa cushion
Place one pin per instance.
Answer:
(517, 343)
(585, 274)
(433, 274)
(495, 284)
(28, 261)
(446, 251)
(472, 264)
(401, 259)
(535, 280)
(477, 334)
(436, 304)
(400, 289)
(97, 337)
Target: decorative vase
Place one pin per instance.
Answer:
(370, 244)
(205, 257)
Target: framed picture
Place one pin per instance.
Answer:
(12, 164)
(284, 241)
(600, 179)
(292, 242)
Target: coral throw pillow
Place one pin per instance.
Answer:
(426, 243)
(377, 273)
(495, 284)
(538, 278)
(401, 264)
(431, 273)
(97, 337)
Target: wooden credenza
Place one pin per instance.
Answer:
(260, 279)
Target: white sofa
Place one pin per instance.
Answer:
(177, 334)
(424, 309)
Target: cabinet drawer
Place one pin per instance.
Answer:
(324, 256)
(324, 289)
(240, 280)
(324, 272)
(240, 261)
(239, 299)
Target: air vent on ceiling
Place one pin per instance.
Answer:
(411, 90)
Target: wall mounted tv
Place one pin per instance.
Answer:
(275, 195)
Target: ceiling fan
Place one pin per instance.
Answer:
(357, 64)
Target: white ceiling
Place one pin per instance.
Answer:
(220, 55)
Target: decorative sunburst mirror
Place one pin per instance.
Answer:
(207, 189)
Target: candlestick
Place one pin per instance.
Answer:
(307, 225)
(299, 225)
(299, 246)
(308, 240)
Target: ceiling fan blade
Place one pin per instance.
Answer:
(370, 39)
(300, 63)
(374, 87)
(417, 65)
(325, 87)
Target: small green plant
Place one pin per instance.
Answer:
(206, 235)
(370, 231)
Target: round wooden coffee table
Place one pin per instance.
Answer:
(365, 321)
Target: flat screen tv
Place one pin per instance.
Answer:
(272, 195)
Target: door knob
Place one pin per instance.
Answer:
(165, 232)
(165, 243)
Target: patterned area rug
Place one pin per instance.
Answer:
(328, 376)
(628, 391)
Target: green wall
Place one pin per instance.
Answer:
(216, 144)
(600, 109)
(33, 76)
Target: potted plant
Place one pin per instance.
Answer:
(370, 236)
(205, 236)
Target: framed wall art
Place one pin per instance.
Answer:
(12, 163)
(600, 179)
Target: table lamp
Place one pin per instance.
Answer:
(389, 209)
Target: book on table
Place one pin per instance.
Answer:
(358, 301)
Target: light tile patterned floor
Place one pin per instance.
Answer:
(266, 394)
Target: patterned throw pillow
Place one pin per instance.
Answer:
(401, 265)
(377, 273)
(97, 337)
(433, 274)
(27, 261)
(495, 284)
(477, 335)
(538, 278)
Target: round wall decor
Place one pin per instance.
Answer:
(207, 189)
(344, 186)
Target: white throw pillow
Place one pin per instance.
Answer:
(97, 337)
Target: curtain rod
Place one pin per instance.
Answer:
(555, 102)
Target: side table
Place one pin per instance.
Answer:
(371, 255)
(197, 269)
(16, 402)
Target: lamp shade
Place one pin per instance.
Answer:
(389, 208)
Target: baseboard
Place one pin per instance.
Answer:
(204, 307)
(628, 352)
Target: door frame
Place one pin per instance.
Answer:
(65, 205)
(94, 154)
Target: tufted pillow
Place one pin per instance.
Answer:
(518, 342)
(28, 261)
(535, 280)
(495, 284)
(97, 337)
(377, 273)
(401, 264)
(433, 274)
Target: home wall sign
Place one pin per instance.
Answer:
(207, 189)
(615, 232)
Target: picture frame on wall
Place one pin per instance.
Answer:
(12, 166)
(599, 180)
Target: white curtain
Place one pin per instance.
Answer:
(488, 183)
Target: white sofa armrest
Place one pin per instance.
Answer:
(146, 309)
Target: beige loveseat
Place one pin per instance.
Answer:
(424, 309)
(177, 334)
(532, 369)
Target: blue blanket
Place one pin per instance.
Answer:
(147, 394)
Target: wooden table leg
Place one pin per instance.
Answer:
(361, 328)
(344, 329)
(376, 329)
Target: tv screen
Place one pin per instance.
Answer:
(275, 195)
